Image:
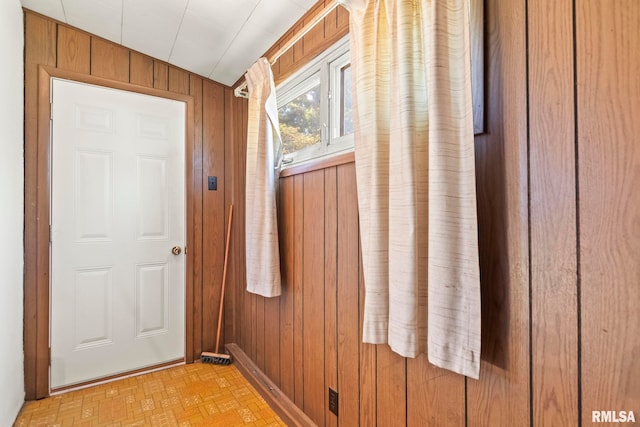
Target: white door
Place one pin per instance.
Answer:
(117, 210)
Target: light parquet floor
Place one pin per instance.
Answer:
(189, 395)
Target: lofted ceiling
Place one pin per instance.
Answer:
(218, 39)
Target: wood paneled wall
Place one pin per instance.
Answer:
(557, 172)
(50, 43)
(608, 173)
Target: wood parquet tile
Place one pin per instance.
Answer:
(189, 395)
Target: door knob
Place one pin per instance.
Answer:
(176, 250)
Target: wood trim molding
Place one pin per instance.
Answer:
(38, 170)
(323, 163)
(115, 84)
(279, 402)
(110, 378)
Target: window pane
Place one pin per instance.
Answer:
(300, 121)
(346, 114)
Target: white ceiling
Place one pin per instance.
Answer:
(218, 39)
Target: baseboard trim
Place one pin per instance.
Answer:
(279, 402)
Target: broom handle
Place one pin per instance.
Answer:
(224, 276)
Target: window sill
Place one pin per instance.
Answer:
(314, 165)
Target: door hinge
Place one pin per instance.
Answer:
(50, 234)
(49, 356)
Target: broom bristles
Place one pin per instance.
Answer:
(215, 358)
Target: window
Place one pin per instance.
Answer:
(314, 107)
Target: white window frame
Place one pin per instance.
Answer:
(327, 66)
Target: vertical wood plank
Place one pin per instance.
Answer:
(141, 69)
(196, 250)
(289, 58)
(272, 339)
(336, 24)
(249, 320)
(241, 324)
(501, 396)
(179, 83)
(255, 325)
(240, 177)
(232, 134)
(286, 209)
(368, 363)
(160, 75)
(330, 290)
(608, 95)
(312, 42)
(260, 331)
(298, 289)
(74, 50)
(109, 60)
(313, 296)
(435, 397)
(213, 208)
(348, 307)
(40, 48)
(391, 388)
(343, 21)
(249, 324)
(553, 214)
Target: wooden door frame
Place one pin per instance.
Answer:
(37, 290)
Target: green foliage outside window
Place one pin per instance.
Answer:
(300, 121)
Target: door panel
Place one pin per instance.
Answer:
(117, 209)
(151, 299)
(92, 308)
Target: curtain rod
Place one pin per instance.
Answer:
(241, 90)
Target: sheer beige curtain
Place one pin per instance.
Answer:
(263, 142)
(415, 174)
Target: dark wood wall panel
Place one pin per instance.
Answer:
(298, 289)
(73, 50)
(368, 380)
(213, 206)
(196, 249)
(233, 133)
(40, 48)
(286, 339)
(435, 397)
(140, 69)
(109, 60)
(501, 396)
(313, 296)
(320, 313)
(608, 94)
(554, 341)
(348, 301)
(50, 43)
(178, 81)
(556, 171)
(391, 387)
(330, 30)
(160, 75)
(330, 345)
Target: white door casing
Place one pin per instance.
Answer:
(117, 210)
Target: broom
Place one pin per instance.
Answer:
(221, 358)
